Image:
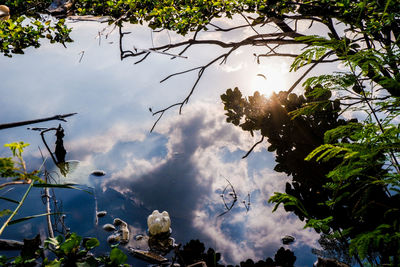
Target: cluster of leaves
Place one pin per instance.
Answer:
(180, 16)
(351, 172)
(13, 171)
(15, 168)
(72, 250)
(194, 251)
(27, 26)
(350, 191)
(292, 139)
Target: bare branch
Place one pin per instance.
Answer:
(252, 148)
(178, 73)
(200, 74)
(143, 58)
(21, 123)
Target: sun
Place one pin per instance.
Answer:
(269, 79)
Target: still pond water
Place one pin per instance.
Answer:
(182, 167)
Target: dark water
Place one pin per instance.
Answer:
(182, 167)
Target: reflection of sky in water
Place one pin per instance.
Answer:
(181, 167)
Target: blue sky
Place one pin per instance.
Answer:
(183, 165)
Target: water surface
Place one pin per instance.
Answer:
(182, 167)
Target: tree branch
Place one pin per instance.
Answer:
(21, 123)
(252, 148)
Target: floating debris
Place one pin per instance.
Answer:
(200, 263)
(109, 227)
(330, 262)
(98, 173)
(288, 239)
(161, 244)
(101, 213)
(148, 256)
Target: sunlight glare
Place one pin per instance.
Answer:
(268, 79)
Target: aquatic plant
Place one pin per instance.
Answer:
(71, 250)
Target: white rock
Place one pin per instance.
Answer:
(158, 223)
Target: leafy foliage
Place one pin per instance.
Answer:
(18, 34)
(71, 250)
(345, 187)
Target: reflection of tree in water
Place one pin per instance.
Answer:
(194, 252)
(362, 206)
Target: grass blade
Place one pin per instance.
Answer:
(31, 217)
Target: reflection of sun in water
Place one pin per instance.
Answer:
(268, 79)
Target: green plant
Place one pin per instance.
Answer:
(18, 171)
(14, 168)
(71, 250)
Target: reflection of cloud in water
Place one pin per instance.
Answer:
(182, 170)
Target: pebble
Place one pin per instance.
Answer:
(118, 222)
(109, 227)
(288, 239)
(113, 239)
(98, 173)
(101, 213)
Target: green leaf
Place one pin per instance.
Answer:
(54, 263)
(117, 256)
(5, 212)
(71, 244)
(91, 243)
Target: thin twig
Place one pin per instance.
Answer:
(234, 197)
(186, 100)
(252, 148)
(45, 144)
(47, 196)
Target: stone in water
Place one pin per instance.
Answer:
(101, 213)
(98, 173)
(288, 239)
(109, 227)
